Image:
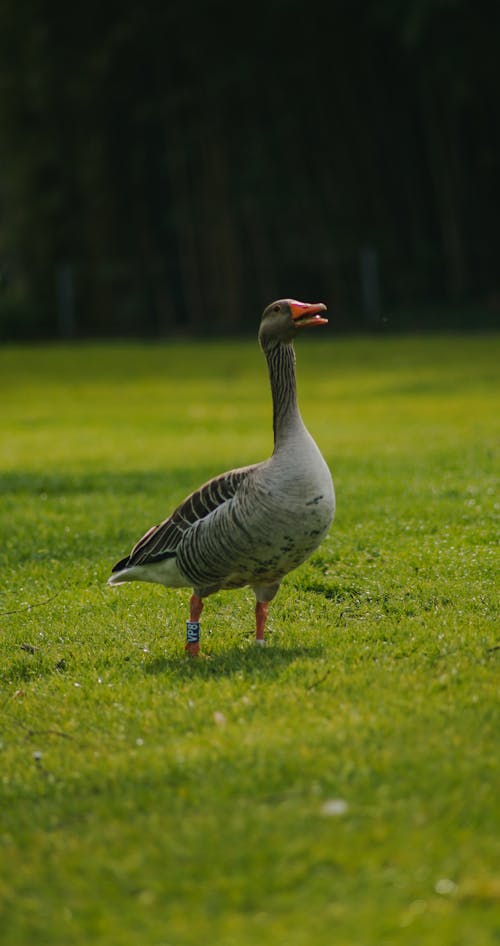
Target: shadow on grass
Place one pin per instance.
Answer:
(262, 662)
(55, 485)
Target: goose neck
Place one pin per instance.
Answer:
(286, 414)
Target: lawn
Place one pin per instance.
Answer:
(338, 787)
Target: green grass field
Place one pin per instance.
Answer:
(340, 786)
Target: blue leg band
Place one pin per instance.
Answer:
(193, 632)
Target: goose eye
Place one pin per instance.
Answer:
(276, 308)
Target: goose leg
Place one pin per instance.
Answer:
(261, 609)
(193, 625)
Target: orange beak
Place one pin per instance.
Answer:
(307, 313)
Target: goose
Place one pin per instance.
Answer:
(252, 525)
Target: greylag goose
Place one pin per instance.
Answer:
(253, 525)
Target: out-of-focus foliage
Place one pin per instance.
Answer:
(175, 166)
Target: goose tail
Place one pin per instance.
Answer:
(121, 573)
(163, 572)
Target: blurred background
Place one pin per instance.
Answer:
(170, 168)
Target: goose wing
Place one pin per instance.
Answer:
(162, 540)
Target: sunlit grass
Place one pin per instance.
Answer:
(150, 799)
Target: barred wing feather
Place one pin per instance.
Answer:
(161, 541)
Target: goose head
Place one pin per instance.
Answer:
(281, 320)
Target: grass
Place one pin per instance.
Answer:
(340, 787)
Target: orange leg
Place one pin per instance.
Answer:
(195, 608)
(261, 609)
(193, 625)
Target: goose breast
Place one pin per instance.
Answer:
(276, 520)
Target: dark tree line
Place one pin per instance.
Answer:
(174, 166)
